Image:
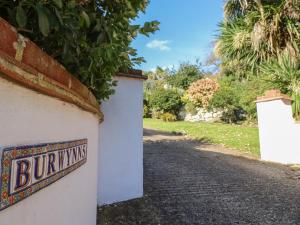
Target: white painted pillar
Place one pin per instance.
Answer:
(278, 131)
(120, 169)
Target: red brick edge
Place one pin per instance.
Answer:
(135, 74)
(271, 95)
(24, 62)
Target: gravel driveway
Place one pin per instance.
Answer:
(189, 182)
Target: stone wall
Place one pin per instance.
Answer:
(202, 115)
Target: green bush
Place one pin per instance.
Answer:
(156, 114)
(91, 38)
(190, 107)
(146, 112)
(162, 100)
(237, 98)
(227, 98)
(284, 73)
(185, 75)
(168, 117)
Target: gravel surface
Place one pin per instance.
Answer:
(189, 182)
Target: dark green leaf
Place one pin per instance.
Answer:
(44, 24)
(86, 19)
(21, 16)
(71, 4)
(57, 13)
(58, 3)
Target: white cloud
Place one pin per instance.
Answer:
(162, 45)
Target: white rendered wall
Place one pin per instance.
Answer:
(279, 134)
(27, 117)
(121, 144)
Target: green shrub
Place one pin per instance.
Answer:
(146, 112)
(185, 75)
(284, 73)
(156, 114)
(237, 98)
(227, 98)
(163, 100)
(168, 117)
(190, 107)
(91, 38)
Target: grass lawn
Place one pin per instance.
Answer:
(238, 137)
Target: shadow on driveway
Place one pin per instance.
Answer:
(187, 182)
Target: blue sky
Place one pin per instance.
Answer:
(187, 30)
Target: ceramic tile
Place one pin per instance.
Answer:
(28, 169)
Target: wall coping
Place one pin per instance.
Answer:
(23, 62)
(135, 74)
(272, 95)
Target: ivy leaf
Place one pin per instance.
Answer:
(44, 24)
(58, 3)
(21, 16)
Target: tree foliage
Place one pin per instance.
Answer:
(155, 79)
(165, 100)
(91, 38)
(201, 91)
(257, 31)
(237, 99)
(185, 75)
(261, 39)
(285, 75)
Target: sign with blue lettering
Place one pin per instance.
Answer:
(28, 169)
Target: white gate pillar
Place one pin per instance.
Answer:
(120, 168)
(278, 131)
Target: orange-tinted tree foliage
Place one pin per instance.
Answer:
(201, 91)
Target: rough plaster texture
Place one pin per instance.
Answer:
(121, 144)
(27, 117)
(278, 132)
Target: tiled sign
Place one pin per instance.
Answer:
(28, 169)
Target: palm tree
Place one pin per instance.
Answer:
(256, 31)
(285, 74)
(262, 38)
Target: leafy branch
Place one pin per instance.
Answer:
(91, 38)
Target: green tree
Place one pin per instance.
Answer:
(165, 101)
(257, 31)
(91, 38)
(285, 75)
(185, 75)
(254, 39)
(155, 79)
(237, 99)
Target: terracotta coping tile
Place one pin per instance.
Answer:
(273, 95)
(47, 76)
(24, 62)
(135, 74)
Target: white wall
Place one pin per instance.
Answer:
(121, 144)
(279, 134)
(27, 117)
